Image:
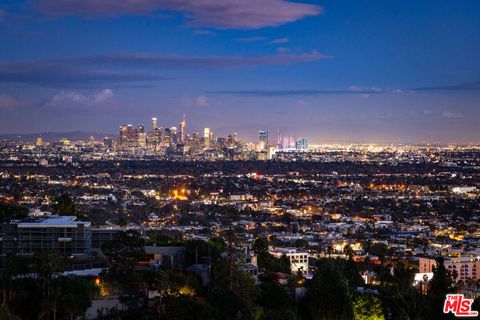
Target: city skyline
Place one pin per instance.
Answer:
(375, 72)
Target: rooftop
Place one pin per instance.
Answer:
(51, 222)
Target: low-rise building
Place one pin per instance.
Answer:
(298, 259)
(61, 234)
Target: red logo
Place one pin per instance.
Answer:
(459, 306)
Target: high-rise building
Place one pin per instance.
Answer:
(138, 136)
(207, 136)
(302, 144)
(126, 135)
(289, 142)
(39, 141)
(108, 142)
(183, 130)
(279, 140)
(263, 139)
(167, 137)
(154, 124)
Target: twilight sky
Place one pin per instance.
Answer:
(331, 70)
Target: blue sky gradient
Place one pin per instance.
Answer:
(343, 70)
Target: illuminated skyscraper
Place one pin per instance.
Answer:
(263, 139)
(139, 136)
(39, 141)
(302, 144)
(289, 142)
(167, 137)
(183, 130)
(279, 140)
(207, 136)
(154, 124)
(126, 135)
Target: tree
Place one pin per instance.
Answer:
(229, 305)
(196, 249)
(10, 212)
(64, 205)
(48, 266)
(301, 243)
(441, 284)
(260, 245)
(348, 251)
(274, 297)
(184, 307)
(123, 254)
(399, 297)
(233, 291)
(272, 264)
(74, 296)
(367, 307)
(124, 251)
(378, 249)
(329, 296)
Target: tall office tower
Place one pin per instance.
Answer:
(289, 142)
(263, 139)
(39, 141)
(167, 137)
(154, 124)
(174, 135)
(126, 135)
(230, 141)
(279, 140)
(108, 142)
(159, 136)
(302, 144)
(183, 130)
(195, 142)
(137, 133)
(207, 137)
(141, 140)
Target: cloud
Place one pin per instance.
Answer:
(202, 101)
(8, 102)
(63, 72)
(199, 101)
(203, 32)
(279, 40)
(470, 86)
(451, 115)
(178, 61)
(138, 67)
(307, 92)
(251, 39)
(69, 99)
(102, 96)
(224, 14)
(361, 92)
(259, 38)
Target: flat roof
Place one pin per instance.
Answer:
(51, 222)
(287, 250)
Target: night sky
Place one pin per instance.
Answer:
(332, 70)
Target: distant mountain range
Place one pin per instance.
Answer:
(52, 136)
